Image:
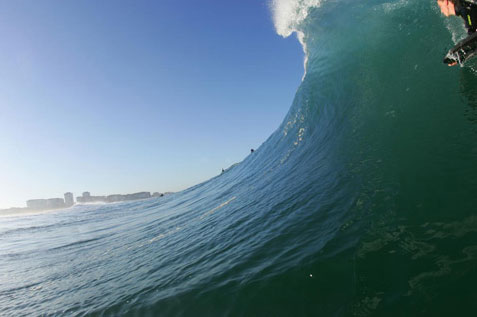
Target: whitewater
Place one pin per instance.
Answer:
(361, 203)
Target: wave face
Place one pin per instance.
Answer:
(363, 202)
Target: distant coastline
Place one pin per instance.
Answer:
(44, 205)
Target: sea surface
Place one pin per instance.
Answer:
(363, 202)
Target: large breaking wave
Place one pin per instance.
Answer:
(361, 203)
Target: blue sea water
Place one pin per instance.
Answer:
(361, 203)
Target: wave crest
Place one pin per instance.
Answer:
(288, 14)
(287, 17)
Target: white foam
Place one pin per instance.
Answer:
(289, 14)
(287, 17)
(391, 6)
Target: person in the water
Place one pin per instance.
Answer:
(467, 9)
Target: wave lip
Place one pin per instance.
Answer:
(289, 14)
(287, 17)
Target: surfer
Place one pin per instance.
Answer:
(467, 9)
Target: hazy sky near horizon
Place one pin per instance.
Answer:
(125, 96)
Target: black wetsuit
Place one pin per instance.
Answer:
(467, 9)
(467, 48)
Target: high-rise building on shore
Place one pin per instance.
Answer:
(69, 199)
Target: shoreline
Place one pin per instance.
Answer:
(37, 206)
(17, 211)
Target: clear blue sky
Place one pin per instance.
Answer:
(125, 96)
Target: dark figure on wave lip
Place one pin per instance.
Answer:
(467, 48)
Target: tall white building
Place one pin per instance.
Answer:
(69, 199)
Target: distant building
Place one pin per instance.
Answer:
(136, 196)
(141, 195)
(54, 203)
(42, 204)
(87, 198)
(114, 198)
(69, 199)
(37, 204)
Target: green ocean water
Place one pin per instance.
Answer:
(362, 203)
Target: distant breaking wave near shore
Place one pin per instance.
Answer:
(361, 203)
